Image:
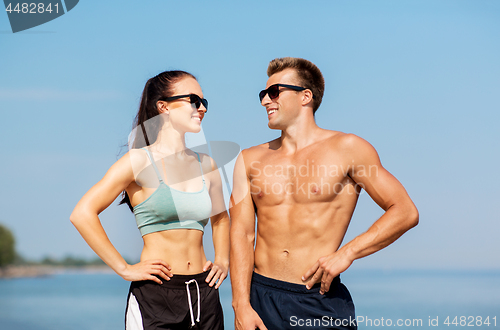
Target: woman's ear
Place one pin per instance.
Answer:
(162, 107)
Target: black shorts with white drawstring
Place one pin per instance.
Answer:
(184, 302)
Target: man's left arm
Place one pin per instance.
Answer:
(400, 212)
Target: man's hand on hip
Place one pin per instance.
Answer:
(326, 269)
(246, 318)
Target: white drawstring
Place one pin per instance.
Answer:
(189, 300)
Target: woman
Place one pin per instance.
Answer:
(172, 191)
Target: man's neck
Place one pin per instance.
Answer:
(300, 134)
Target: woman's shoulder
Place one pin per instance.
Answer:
(207, 163)
(125, 167)
(136, 158)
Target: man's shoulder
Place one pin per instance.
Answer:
(341, 139)
(261, 148)
(349, 145)
(260, 151)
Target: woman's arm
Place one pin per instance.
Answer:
(220, 230)
(86, 220)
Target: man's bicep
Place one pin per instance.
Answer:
(242, 209)
(243, 215)
(240, 181)
(382, 187)
(370, 175)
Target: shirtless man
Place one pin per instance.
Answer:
(303, 187)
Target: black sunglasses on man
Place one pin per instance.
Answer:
(274, 91)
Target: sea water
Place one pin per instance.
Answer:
(383, 299)
(424, 299)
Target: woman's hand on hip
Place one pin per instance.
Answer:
(218, 273)
(146, 270)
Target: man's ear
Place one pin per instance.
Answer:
(162, 107)
(307, 98)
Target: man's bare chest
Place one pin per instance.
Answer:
(309, 177)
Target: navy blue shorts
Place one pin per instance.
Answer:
(284, 305)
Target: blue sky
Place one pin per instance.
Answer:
(420, 80)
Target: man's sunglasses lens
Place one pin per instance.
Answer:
(273, 91)
(262, 94)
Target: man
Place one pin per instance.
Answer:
(303, 187)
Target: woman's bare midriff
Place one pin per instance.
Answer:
(182, 249)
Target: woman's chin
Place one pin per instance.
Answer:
(196, 129)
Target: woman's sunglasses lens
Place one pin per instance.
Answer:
(205, 103)
(194, 99)
(197, 101)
